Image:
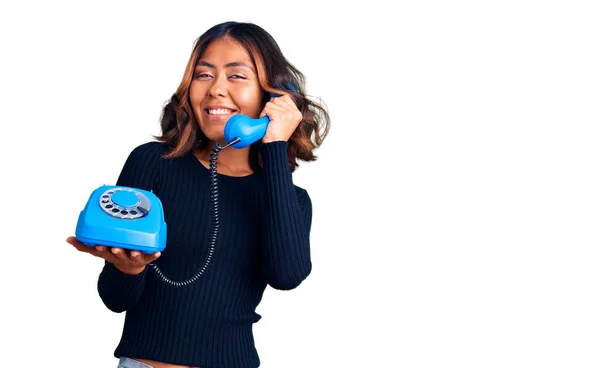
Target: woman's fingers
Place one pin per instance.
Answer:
(133, 258)
(151, 257)
(80, 246)
(122, 258)
(285, 101)
(271, 108)
(119, 253)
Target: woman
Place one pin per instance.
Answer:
(194, 304)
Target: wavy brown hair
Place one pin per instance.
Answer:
(180, 129)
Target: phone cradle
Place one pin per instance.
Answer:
(123, 217)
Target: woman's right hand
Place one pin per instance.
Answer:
(129, 262)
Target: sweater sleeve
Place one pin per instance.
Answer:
(287, 222)
(120, 291)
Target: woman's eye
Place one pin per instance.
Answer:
(202, 75)
(235, 76)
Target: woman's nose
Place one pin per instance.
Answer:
(217, 89)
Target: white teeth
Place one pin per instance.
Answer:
(219, 111)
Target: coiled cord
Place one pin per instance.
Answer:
(214, 207)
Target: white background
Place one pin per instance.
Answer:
(456, 200)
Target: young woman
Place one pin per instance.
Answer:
(236, 221)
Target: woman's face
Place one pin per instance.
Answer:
(225, 82)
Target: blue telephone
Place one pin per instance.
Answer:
(241, 130)
(133, 219)
(123, 217)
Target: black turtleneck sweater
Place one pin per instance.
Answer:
(263, 239)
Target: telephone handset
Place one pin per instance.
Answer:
(244, 130)
(133, 219)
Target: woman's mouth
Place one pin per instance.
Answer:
(218, 113)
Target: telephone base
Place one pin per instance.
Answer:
(123, 217)
(95, 242)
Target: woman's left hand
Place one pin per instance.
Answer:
(284, 118)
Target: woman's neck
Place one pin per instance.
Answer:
(230, 161)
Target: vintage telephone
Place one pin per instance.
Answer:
(133, 219)
(123, 217)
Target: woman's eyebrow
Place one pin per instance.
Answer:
(228, 65)
(238, 63)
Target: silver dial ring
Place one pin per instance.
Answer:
(130, 212)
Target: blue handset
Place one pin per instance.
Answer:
(247, 129)
(123, 217)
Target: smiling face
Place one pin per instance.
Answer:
(225, 82)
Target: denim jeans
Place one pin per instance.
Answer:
(131, 363)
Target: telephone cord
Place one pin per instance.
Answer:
(214, 206)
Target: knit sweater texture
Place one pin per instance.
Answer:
(263, 239)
